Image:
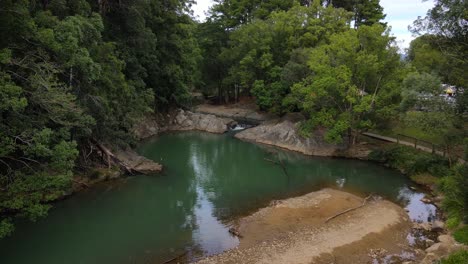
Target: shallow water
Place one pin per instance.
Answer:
(208, 180)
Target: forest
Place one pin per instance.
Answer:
(77, 72)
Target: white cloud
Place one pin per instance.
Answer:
(200, 8)
(401, 14)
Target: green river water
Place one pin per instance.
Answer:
(208, 181)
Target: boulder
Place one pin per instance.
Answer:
(284, 133)
(429, 242)
(138, 163)
(446, 239)
(434, 248)
(437, 226)
(430, 258)
(186, 120)
(422, 226)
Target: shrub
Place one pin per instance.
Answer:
(411, 161)
(456, 258)
(453, 221)
(455, 189)
(461, 235)
(424, 179)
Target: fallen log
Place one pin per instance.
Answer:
(349, 210)
(111, 158)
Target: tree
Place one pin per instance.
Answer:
(366, 12)
(77, 72)
(439, 118)
(445, 25)
(354, 82)
(260, 51)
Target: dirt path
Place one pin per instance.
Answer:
(295, 231)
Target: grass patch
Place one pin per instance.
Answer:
(453, 221)
(424, 179)
(456, 258)
(399, 127)
(461, 235)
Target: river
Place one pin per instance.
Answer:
(208, 181)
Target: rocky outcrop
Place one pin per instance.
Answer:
(247, 114)
(285, 134)
(181, 120)
(150, 126)
(444, 247)
(186, 120)
(137, 163)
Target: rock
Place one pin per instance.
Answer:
(426, 200)
(438, 199)
(137, 162)
(437, 226)
(377, 253)
(434, 248)
(186, 120)
(285, 134)
(147, 128)
(429, 242)
(422, 226)
(430, 258)
(446, 239)
(247, 114)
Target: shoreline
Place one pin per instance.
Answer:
(224, 122)
(296, 230)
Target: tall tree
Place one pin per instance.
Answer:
(354, 83)
(366, 12)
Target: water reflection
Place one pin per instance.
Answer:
(417, 210)
(208, 180)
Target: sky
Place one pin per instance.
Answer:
(400, 14)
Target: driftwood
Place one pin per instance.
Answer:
(349, 210)
(111, 158)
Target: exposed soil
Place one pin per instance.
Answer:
(296, 231)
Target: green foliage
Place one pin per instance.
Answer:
(6, 228)
(411, 161)
(455, 189)
(74, 71)
(443, 49)
(456, 258)
(461, 235)
(353, 82)
(424, 179)
(421, 90)
(453, 221)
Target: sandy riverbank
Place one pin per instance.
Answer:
(295, 231)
